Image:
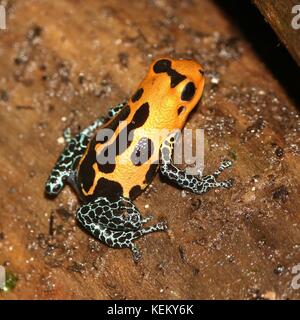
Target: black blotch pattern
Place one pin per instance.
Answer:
(113, 125)
(151, 173)
(107, 188)
(86, 172)
(107, 167)
(122, 141)
(142, 151)
(188, 92)
(140, 116)
(134, 192)
(137, 96)
(164, 65)
(180, 110)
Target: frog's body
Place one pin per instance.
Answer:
(136, 138)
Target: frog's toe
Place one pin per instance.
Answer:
(163, 226)
(136, 253)
(52, 187)
(67, 135)
(226, 163)
(227, 183)
(146, 219)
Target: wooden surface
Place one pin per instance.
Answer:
(62, 63)
(279, 14)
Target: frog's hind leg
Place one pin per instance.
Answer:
(123, 239)
(188, 181)
(119, 214)
(116, 223)
(69, 158)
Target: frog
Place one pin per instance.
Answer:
(107, 189)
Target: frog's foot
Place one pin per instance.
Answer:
(103, 220)
(188, 181)
(209, 182)
(224, 165)
(161, 226)
(65, 163)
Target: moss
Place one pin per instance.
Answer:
(10, 283)
(232, 154)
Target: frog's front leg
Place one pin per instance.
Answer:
(113, 111)
(116, 223)
(73, 151)
(70, 156)
(188, 181)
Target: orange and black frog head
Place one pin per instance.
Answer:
(172, 88)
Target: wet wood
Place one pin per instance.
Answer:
(280, 15)
(64, 63)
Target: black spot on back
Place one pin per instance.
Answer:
(134, 192)
(86, 172)
(137, 95)
(151, 173)
(140, 116)
(188, 92)
(122, 142)
(107, 167)
(108, 188)
(142, 151)
(164, 65)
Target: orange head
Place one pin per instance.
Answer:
(172, 88)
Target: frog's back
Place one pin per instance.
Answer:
(121, 160)
(125, 162)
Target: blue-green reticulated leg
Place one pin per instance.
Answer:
(116, 223)
(188, 181)
(116, 109)
(69, 158)
(73, 151)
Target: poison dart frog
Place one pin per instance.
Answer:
(162, 101)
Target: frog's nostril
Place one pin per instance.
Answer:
(201, 71)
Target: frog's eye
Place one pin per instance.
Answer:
(188, 92)
(181, 110)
